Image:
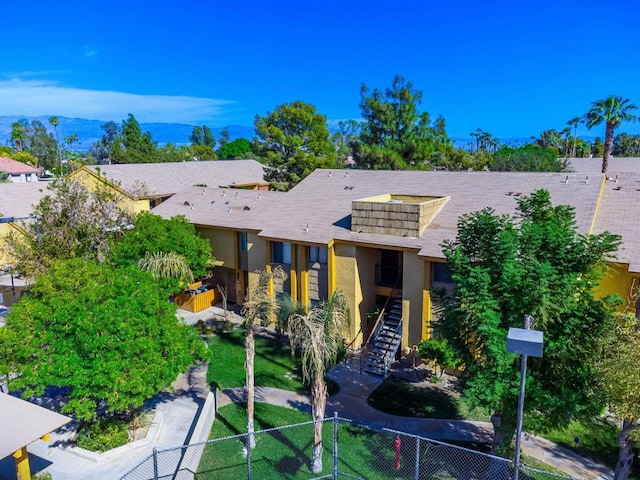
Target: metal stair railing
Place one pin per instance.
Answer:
(364, 353)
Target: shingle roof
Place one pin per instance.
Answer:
(324, 201)
(225, 208)
(318, 209)
(164, 179)
(15, 168)
(18, 199)
(619, 213)
(617, 165)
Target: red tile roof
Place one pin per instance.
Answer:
(14, 167)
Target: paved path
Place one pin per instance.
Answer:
(350, 402)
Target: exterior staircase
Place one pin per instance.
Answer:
(385, 342)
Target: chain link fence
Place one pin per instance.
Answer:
(349, 451)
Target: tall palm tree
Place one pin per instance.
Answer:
(260, 307)
(54, 122)
(574, 122)
(611, 111)
(318, 337)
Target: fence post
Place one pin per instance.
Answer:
(416, 474)
(335, 446)
(248, 447)
(155, 463)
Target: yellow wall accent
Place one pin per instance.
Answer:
(331, 260)
(347, 280)
(595, 213)
(426, 301)
(304, 275)
(258, 259)
(92, 181)
(412, 295)
(618, 279)
(294, 273)
(22, 464)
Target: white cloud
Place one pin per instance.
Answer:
(34, 98)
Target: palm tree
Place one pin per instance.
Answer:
(612, 111)
(163, 265)
(574, 122)
(318, 337)
(260, 307)
(54, 122)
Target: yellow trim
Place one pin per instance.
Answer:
(304, 277)
(21, 457)
(331, 266)
(595, 213)
(267, 267)
(106, 182)
(294, 271)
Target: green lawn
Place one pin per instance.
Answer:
(273, 364)
(286, 453)
(398, 397)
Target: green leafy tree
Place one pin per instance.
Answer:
(133, 146)
(394, 134)
(597, 149)
(260, 308)
(153, 234)
(318, 336)
(108, 336)
(225, 137)
(170, 152)
(101, 150)
(528, 158)
(236, 149)
(535, 263)
(293, 141)
(625, 145)
(549, 139)
(42, 145)
(202, 136)
(202, 152)
(19, 134)
(611, 111)
(72, 222)
(344, 139)
(621, 382)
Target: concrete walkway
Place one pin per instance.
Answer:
(351, 403)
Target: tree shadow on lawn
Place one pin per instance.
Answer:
(397, 397)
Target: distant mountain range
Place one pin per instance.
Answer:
(89, 131)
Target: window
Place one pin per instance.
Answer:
(244, 243)
(281, 252)
(441, 273)
(317, 255)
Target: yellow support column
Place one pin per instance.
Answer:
(426, 302)
(331, 267)
(294, 271)
(304, 277)
(21, 457)
(267, 268)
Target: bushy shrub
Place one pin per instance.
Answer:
(103, 435)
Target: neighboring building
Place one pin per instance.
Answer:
(17, 201)
(375, 234)
(143, 186)
(18, 172)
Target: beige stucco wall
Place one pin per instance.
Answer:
(223, 243)
(256, 258)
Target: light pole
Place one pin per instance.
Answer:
(527, 343)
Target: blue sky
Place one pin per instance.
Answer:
(513, 68)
